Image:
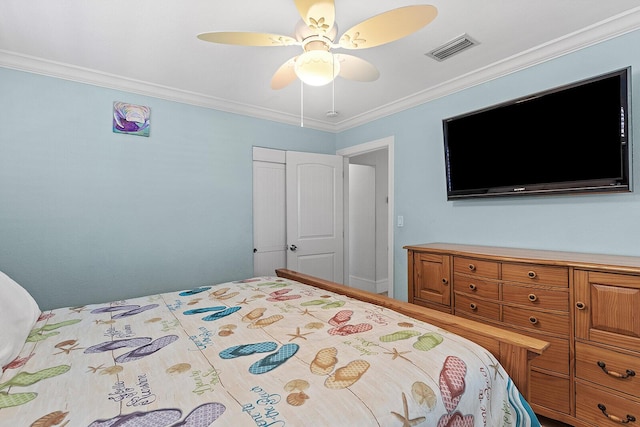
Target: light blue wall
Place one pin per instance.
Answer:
(87, 215)
(591, 223)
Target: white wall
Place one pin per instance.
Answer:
(362, 227)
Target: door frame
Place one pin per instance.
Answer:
(356, 150)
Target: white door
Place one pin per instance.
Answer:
(269, 211)
(314, 193)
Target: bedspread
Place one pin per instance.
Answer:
(257, 352)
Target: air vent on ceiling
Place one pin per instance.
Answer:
(452, 47)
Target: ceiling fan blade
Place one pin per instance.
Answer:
(388, 26)
(319, 15)
(285, 75)
(354, 68)
(248, 39)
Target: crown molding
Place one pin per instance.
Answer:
(589, 36)
(73, 73)
(602, 31)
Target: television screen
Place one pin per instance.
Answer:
(569, 139)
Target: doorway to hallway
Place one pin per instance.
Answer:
(369, 216)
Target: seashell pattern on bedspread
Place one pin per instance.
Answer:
(257, 352)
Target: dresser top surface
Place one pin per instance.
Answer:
(622, 263)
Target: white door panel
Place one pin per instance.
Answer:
(265, 263)
(314, 192)
(316, 264)
(269, 218)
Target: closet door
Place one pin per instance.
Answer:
(315, 215)
(269, 216)
(297, 213)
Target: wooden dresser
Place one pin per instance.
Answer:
(587, 306)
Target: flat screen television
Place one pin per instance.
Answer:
(571, 139)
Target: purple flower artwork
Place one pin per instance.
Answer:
(131, 119)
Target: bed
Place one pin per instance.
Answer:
(267, 351)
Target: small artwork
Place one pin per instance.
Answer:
(131, 119)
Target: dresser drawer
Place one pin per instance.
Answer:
(624, 370)
(556, 357)
(536, 274)
(592, 401)
(476, 267)
(477, 307)
(550, 391)
(548, 299)
(476, 287)
(557, 323)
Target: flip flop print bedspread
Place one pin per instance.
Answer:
(258, 352)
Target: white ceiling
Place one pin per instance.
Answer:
(150, 47)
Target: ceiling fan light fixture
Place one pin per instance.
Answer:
(317, 67)
(316, 32)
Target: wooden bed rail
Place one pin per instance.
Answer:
(514, 351)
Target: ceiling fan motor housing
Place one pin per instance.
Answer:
(303, 32)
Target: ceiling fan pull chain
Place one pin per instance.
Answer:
(333, 84)
(301, 104)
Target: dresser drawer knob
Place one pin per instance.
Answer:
(630, 418)
(580, 305)
(472, 267)
(533, 297)
(473, 287)
(532, 274)
(473, 307)
(533, 320)
(445, 281)
(627, 374)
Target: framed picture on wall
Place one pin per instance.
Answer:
(131, 119)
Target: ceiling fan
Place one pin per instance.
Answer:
(316, 34)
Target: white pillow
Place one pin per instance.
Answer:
(19, 312)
